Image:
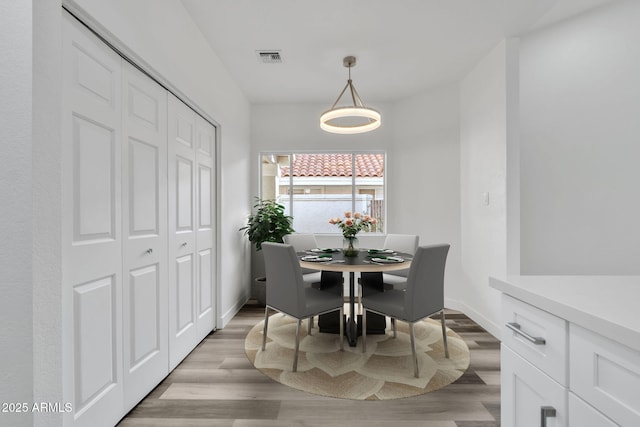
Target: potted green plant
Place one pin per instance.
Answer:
(268, 223)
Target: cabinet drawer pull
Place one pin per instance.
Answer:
(515, 327)
(546, 412)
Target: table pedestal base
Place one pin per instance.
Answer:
(371, 283)
(330, 323)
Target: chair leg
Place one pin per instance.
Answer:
(393, 326)
(364, 331)
(310, 325)
(444, 334)
(266, 323)
(342, 328)
(413, 351)
(295, 356)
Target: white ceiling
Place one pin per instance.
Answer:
(402, 46)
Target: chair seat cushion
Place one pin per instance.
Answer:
(395, 282)
(319, 301)
(389, 302)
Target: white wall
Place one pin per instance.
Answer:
(484, 127)
(580, 151)
(16, 352)
(424, 177)
(47, 209)
(165, 37)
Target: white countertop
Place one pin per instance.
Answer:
(608, 305)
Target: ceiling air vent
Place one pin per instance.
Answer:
(270, 57)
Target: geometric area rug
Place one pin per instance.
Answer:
(384, 372)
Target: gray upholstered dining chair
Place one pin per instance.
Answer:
(303, 242)
(423, 296)
(397, 279)
(407, 243)
(288, 294)
(325, 280)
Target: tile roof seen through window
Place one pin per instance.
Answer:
(367, 165)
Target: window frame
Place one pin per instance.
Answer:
(354, 178)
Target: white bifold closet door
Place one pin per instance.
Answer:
(138, 259)
(144, 225)
(92, 289)
(191, 248)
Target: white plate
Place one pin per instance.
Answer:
(314, 258)
(324, 250)
(388, 260)
(381, 251)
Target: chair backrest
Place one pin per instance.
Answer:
(425, 283)
(300, 241)
(407, 243)
(285, 287)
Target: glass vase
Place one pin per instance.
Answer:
(350, 246)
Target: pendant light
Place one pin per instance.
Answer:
(355, 118)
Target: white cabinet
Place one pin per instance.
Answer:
(551, 359)
(583, 414)
(138, 261)
(533, 368)
(530, 398)
(606, 375)
(538, 336)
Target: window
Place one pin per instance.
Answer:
(315, 187)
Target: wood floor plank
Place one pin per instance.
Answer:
(263, 391)
(410, 409)
(216, 386)
(209, 409)
(340, 423)
(176, 422)
(239, 376)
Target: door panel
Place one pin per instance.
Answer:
(206, 138)
(191, 209)
(204, 198)
(205, 279)
(93, 73)
(144, 294)
(95, 340)
(146, 346)
(205, 135)
(144, 189)
(91, 223)
(94, 181)
(185, 296)
(185, 125)
(184, 196)
(182, 239)
(525, 390)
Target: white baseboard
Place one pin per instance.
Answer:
(480, 319)
(226, 317)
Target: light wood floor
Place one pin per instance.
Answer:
(217, 386)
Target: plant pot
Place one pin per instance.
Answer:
(259, 290)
